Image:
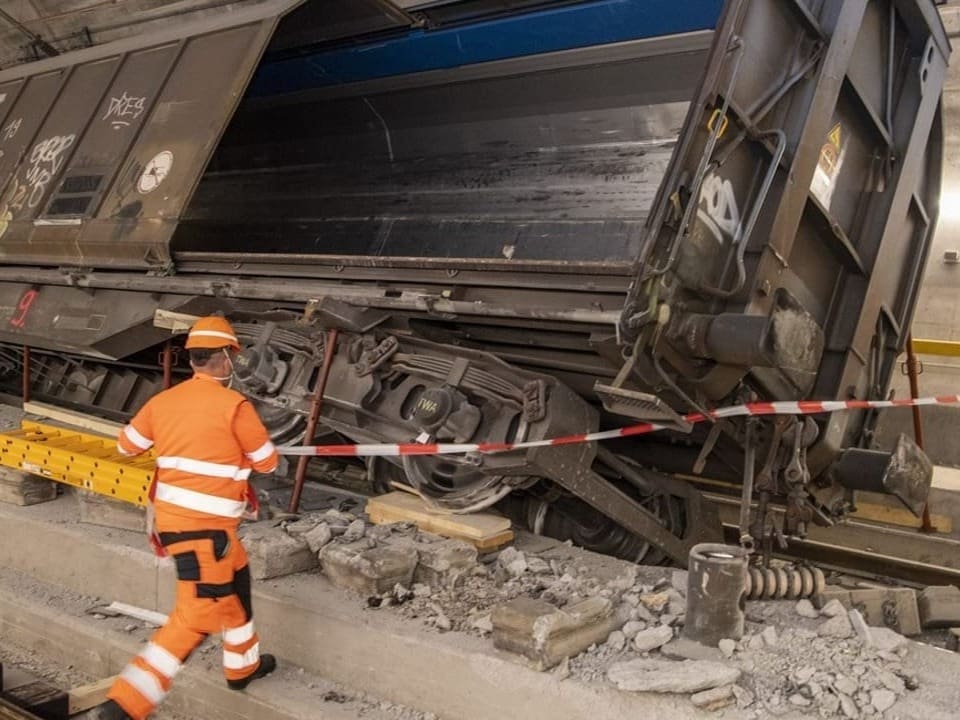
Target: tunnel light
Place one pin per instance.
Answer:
(950, 205)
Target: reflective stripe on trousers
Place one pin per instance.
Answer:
(213, 596)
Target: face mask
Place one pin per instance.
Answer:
(228, 378)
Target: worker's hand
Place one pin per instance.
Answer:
(158, 549)
(252, 511)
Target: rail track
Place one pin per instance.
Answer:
(872, 550)
(9, 711)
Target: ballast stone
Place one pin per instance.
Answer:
(652, 638)
(714, 699)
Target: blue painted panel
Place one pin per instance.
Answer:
(573, 26)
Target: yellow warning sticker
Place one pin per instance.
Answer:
(828, 166)
(834, 136)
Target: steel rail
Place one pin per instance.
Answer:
(9, 711)
(863, 548)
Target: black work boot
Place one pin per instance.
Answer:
(268, 663)
(110, 711)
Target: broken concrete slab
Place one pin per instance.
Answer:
(443, 559)
(274, 553)
(545, 634)
(667, 676)
(895, 608)
(939, 606)
(100, 510)
(825, 598)
(367, 568)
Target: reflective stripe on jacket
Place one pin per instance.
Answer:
(208, 439)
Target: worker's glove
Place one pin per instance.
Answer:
(252, 511)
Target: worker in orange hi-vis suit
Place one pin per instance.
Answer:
(208, 438)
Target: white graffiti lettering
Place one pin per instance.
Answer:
(718, 209)
(123, 110)
(10, 129)
(46, 161)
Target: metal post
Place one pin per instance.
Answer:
(26, 374)
(912, 373)
(716, 591)
(167, 363)
(301, 473)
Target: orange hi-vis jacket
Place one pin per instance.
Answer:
(208, 440)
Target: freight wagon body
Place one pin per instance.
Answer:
(526, 219)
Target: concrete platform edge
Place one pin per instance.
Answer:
(307, 622)
(197, 693)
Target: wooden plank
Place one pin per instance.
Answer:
(74, 419)
(89, 696)
(900, 516)
(148, 616)
(484, 530)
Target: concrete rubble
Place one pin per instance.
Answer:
(545, 634)
(604, 623)
(835, 656)
(896, 608)
(715, 698)
(835, 661)
(939, 606)
(667, 676)
(275, 550)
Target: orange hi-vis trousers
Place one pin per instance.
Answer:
(213, 596)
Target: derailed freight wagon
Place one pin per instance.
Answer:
(526, 219)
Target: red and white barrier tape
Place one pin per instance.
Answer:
(802, 407)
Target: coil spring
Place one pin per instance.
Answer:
(784, 583)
